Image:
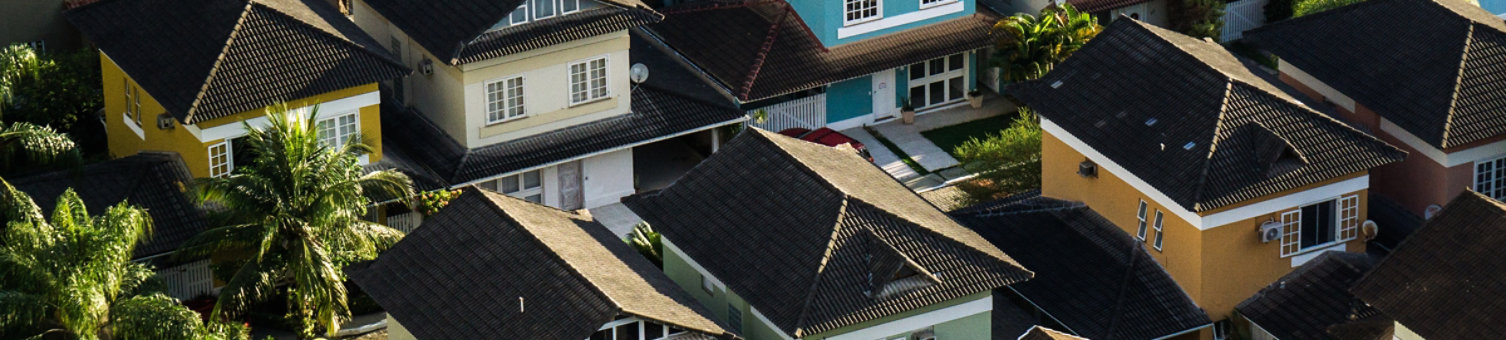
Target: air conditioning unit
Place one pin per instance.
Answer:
(426, 66)
(165, 121)
(1270, 231)
(1087, 169)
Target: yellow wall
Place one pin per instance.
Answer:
(124, 142)
(1218, 267)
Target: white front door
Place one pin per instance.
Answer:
(883, 95)
(571, 197)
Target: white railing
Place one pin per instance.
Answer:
(1241, 16)
(405, 222)
(808, 112)
(188, 280)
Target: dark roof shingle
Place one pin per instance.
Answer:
(157, 182)
(492, 266)
(1091, 276)
(1191, 120)
(1447, 279)
(460, 31)
(1309, 301)
(206, 59)
(789, 225)
(1441, 83)
(762, 49)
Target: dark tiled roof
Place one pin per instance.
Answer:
(1102, 5)
(1191, 120)
(656, 114)
(788, 225)
(1043, 333)
(1442, 83)
(671, 73)
(1394, 222)
(1091, 276)
(458, 31)
(496, 267)
(761, 49)
(157, 182)
(205, 59)
(1446, 280)
(1305, 303)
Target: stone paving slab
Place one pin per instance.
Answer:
(881, 155)
(616, 217)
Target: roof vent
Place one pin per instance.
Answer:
(1189, 145)
(1056, 84)
(1150, 122)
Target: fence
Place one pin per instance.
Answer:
(808, 112)
(1241, 16)
(188, 280)
(405, 222)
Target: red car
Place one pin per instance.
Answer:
(827, 137)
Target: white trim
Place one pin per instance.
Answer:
(1212, 220)
(554, 9)
(1498, 179)
(586, 64)
(878, 14)
(326, 110)
(1448, 160)
(924, 5)
(131, 124)
(697, 266)
(770, 324)
(861, 27)
(503, 104)
(1308, 255)
(1328, 92)
(922, 320)
(850, 123)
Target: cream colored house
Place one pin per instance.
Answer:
(534, 96)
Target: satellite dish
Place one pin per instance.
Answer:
(638, 73)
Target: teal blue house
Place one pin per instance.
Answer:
(783, 239)
(832, 63)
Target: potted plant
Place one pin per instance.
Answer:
(907, 112)
(975, 98)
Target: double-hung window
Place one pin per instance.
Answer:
(504, 100)
(528, 186)
(339, 130)
(132, 101)
(1141, 233)
(1320, 224)
(1490, 177)
(1160, 234)
(861, 11)
(588, 80)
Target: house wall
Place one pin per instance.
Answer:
(1401, 332)
(395, 330)
(946, 325)
(825, 18)
(849, 99)
(607, 177)
(1218, 266)
(719, 300)
(192, 141)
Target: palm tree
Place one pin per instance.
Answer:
(294, 219)
(72, 276)
(1030, 46)
(23, 144)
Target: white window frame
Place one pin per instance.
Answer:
(946, 75)
(1494, 184)
(340, 138)
(878, 8)
(523, 191)
(530, 11)
(1160, 233)
(506, 110)
(1346, 225)
(554, 9)
(587, 79)
(924, 4)
(1141, 214)
(561, 6)
(668, 330)
(229, 159)
(527, 14)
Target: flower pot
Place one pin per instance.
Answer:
(975, 101)
(907, 116)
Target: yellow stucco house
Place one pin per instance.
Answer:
(1230, 181)
(182, 75)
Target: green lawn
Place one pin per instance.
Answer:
(903, 157)
(948, 138)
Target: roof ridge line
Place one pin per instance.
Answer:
(1453, 101)
(763, 53)
(963, 244)
(490, 202)
(218, 60)
(346, 41)
(1218, 126)
(1135, 255)
(821, 270)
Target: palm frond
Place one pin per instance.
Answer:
(36, 143)
(155, 316)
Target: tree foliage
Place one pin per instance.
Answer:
(55, 90)
(26, 146)
(1029, 46)
(648, 242)
(1305, 7)
(72, 275)
(1197, 18)
(293, 218)
(1006, 162)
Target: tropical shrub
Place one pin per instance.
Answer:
(1305, 7)
(1029, 46)
(1006, 162)
(1197, 18)
(61, 91)
(648, 242)
(1278, 10)
(430, 202)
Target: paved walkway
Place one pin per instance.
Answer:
(881, 155)
(922, 150)
(616, 217)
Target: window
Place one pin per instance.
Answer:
(630, 328)
(569, 6)
(132, 101)
(734, 319)
(527, 186)
(860, 11)
(543, 9)
(1141, 233)
(1490, 177)
(337, 131)
(933, 3)
(519, 15)
(588, 80)
(1221, 329)
(1160, 235)
(1320, 224)
(504, 100)
(707, 285)
(219, 159)
(938, 81)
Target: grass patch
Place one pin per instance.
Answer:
(903, 157)
(948, 138)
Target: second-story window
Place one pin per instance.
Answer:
(504, 100)
(931, 3)
(588, 80)
(339, 130)
(1141, 233)
(1490, 177)
(1160, 233)
(219, 159)
(860, 11)
(1320, 224)
(531, 10)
